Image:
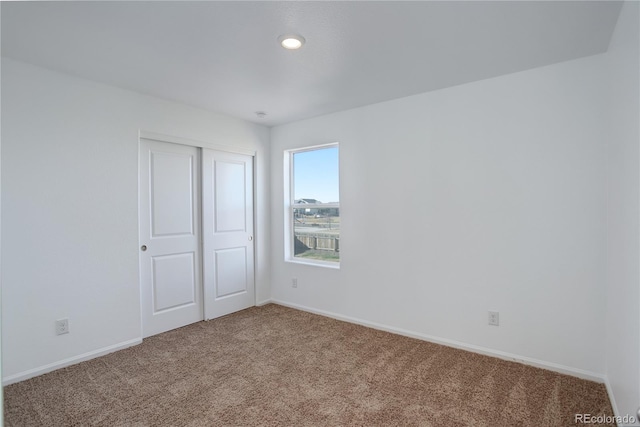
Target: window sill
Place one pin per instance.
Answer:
(324, 264)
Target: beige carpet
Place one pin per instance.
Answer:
(281, 367)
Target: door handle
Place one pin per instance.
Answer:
(143, 248)
(250, 238)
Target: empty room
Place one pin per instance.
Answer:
(245, 213)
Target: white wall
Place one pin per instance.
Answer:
(70, 216)
(623, 213)
(485, 196)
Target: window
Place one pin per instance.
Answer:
(313, 214)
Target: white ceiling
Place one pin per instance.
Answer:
(224, 56)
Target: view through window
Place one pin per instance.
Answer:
(315, 204)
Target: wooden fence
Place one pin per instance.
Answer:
(322, 242)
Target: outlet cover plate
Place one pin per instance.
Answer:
(62, 326)
(494, 318)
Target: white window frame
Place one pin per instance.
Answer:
(290, 206)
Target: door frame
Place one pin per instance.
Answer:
(153, 136)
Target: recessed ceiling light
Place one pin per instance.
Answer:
(291, 41)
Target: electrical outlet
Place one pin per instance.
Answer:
(494, 318)
(62, 326)
(294, 282)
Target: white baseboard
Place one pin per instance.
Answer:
(25, 375)
(611, 398)
(614, 406)
(580, 373)
(265, 302)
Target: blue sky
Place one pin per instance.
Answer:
(316, 175)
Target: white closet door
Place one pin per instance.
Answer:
(170, 254)
(227, 224)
